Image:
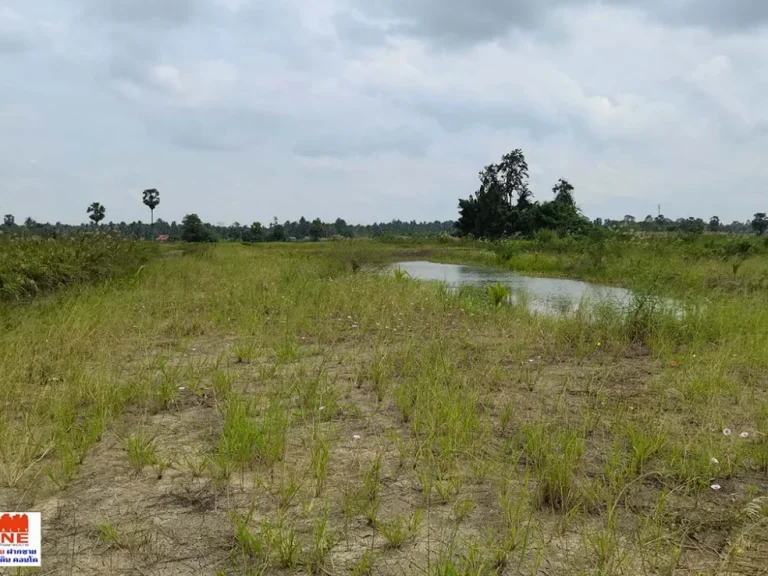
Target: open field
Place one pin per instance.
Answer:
(278, 409)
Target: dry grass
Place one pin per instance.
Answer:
(262, 410)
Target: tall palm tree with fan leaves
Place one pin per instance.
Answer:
(96, 212)
(151, 201)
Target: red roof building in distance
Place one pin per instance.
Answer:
(14, 523)
(162, 238)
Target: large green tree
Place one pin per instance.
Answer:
(254, 234)
(96, 212)
(760, 223)
(316, 230)
(9, 220)
(693, 226)
(512, 175)
(504, 204)
(341, 227)
(276, 232)
(490, 213)
(303, 229)
(193, 230)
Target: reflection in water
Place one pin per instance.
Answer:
(545, 295)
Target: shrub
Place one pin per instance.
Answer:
(31, 266)
(193, 230)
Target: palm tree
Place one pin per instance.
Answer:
(97, 212)
(151, 201)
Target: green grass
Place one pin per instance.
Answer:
(142, 451)
(307, 414)
(400, 529)
(32, 266)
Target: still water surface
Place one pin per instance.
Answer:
(545, 295)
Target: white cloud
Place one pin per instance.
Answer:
(128, 89)
(10, 19)
(737, 90)
(201, 84)
(629, 116)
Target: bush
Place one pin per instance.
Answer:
(31, 266)
(193, 230)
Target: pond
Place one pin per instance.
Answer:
(544, 295)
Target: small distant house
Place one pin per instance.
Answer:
(162, 238)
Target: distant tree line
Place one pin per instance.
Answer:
(660, 223)
(503, 206)
(193, 229)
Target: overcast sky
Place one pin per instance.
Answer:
(369, 110)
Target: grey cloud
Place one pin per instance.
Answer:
(279, 28)
(535, 126)
(129, 55)
(354, 31)
(201, 137)
(12, 43)
(218, 129)
(457, 115)
(17, 33)
(725, 14)
(738, 124)
(134, 33)
(163, 12)
(403, 141)
(457, 22)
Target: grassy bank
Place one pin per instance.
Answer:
(276, 409)
(669, 262)
(32, 266)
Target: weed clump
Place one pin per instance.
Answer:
(555, 457)
(498, 293)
